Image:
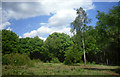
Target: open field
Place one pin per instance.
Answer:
(60, 69)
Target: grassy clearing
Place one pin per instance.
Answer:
(60, 69)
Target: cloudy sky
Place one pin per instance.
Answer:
(30, 19)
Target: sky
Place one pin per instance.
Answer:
(30, 19)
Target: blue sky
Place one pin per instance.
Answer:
(41, 19)
(101, 6)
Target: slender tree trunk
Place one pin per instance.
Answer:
(107, 61)
(83, 48)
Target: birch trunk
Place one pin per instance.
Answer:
(83, 48)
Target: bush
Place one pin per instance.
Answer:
(68, 62)
(32, 62)
(81, 62)
(37, 61)
(93, 62)
(55, 60)
(15, 59)
(47, 61)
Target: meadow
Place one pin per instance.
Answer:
(39, 68)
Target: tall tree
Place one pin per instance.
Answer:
(57, 43)
(32, 46)
(79, 25)
(108, 31)
(9, 42)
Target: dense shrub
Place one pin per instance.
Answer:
(68, 62)
(55, 60)
(15, 59)
(37, 61)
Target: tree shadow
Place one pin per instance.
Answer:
(117, 70)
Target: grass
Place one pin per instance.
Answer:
(60, 69)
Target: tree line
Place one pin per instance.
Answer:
(101, 43)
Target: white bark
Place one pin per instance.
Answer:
(83, 47)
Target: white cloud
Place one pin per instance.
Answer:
(105, 0)
(42, 38)
(0, 13)
(69, 0)
(42, 23)
(9, 28)
(39, 32)
(62, 17)
(3, 25)
(65, 30)
(43, 30)
(62, 10)
(20, 36)
(20, 10)
(4, 19)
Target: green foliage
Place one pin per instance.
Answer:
(93, 62)
(91, 44)
(73, 54)
(101, 43)
(47, 61)
(0, 41)
(15, 59)
(58, 69)
(9, 42)
(37, 61)
(56, 44)
(80, 21)
(108, 35)
(67, 61)
(55, 60)
(32, 46)
(79, 25)
(81, 62)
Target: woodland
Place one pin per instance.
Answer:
(88, 45)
